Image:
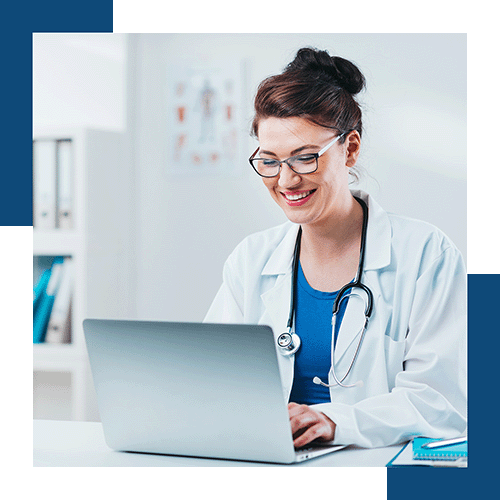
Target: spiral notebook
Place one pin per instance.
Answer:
(445, 453)
(412, 454)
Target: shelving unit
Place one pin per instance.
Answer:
(100, 246)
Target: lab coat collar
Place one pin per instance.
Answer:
(281, 259)
(378, 234)
(378, 241)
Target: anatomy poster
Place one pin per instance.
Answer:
(204, 117)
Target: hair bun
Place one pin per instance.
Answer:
(336, 69)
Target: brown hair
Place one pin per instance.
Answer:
(314, 86)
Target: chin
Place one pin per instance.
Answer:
(297, 218)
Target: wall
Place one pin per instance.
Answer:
(79, 79)
(414, 143)
(414, 151)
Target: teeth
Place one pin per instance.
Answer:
(295, 197)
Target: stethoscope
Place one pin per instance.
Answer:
(289, 342)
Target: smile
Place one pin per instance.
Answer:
(299, 198)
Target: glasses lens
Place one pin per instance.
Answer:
(266, 166)
(303, 164)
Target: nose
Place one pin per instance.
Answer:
(287, 178)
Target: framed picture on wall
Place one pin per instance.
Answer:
(204, 113)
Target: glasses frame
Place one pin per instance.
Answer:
(316, 156)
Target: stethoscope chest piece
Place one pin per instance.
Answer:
(289, 343)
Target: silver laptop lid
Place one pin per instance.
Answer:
(205, 390)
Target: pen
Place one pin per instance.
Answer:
(444, 442)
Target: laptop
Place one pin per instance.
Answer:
(192, 389)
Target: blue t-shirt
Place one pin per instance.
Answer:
(313, 324)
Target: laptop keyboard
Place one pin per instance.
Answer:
(300, 452)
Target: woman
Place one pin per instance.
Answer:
(408, 377)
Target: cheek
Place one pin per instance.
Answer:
(269, 183)
(333, 174)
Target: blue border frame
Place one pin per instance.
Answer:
(22, 20)
(16, 210)
(484, 343)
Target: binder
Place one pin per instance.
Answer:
(44, 184)
(53, 184)
(64, 184)
(59, 325)
(39, 289)
(41, 318)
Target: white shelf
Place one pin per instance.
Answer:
(57, 357)
(100, 239)
(56, 242)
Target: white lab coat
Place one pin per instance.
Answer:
(412, 361)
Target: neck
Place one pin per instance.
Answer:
(341, 233)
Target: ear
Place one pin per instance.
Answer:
(352, 146)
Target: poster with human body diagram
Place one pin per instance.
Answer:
(204, 116)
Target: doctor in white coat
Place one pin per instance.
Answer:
(409, 377)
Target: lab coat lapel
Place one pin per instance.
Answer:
(377, 256)
(378, 234)
(276, 300)
(277, 303)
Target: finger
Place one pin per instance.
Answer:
(316, 431)
(303, 420)
(295, 409)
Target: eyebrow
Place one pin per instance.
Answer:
(294, 152)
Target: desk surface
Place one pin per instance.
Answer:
(81, 444)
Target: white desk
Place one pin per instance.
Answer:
(81, 444)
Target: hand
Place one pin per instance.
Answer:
(309, 425)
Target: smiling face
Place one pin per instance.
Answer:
(312, 198)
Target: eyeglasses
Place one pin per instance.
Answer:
(301, 164)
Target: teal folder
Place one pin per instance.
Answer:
(41, 314)
(451, 452)
(39, 289)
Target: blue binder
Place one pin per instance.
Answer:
(39, 289)
(45, 302)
